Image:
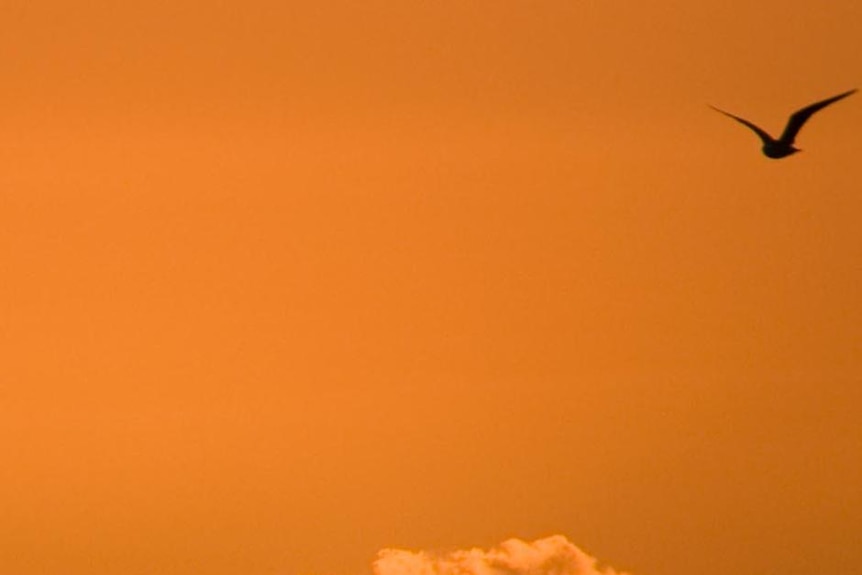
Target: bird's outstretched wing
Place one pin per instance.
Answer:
(796, 121)
(757, 130)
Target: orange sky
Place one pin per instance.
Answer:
(285, 284)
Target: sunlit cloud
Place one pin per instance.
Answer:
(553, 555)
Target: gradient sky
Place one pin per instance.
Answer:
(287, 283)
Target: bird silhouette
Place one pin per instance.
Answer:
(783, 146)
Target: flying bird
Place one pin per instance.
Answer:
(783, 146)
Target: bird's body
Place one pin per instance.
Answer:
(783, 146)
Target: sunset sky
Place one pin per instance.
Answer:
(286, 283)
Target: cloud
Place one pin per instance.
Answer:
(553, 555)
